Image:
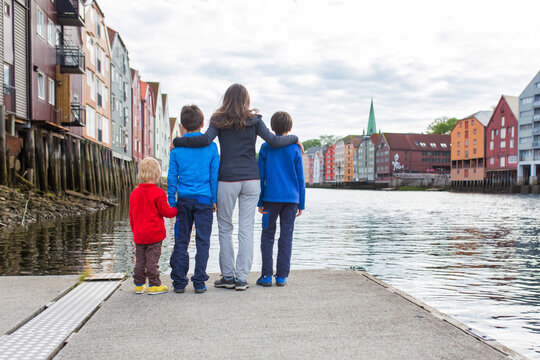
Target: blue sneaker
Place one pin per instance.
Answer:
(200, 290)
(281, 281)
(265, 280)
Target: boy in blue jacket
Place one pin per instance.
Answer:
(193, 176)
(282, 195)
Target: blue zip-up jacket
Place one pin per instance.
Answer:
(282, 175)
(193, 173)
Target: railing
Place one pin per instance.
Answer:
(70, 12)
(78, 115)
(71, 59)
(9, 98)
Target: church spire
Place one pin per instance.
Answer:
(371, 128)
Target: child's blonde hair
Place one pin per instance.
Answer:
(149, 170)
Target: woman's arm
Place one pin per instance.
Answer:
(273, 140)
(197, 141)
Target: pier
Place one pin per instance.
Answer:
(319, 314)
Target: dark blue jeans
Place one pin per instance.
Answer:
(189, 211)
(287, 214)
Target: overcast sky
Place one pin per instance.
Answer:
(322, 61)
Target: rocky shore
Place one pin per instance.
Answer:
(16, 204)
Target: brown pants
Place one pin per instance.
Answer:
(146, 264)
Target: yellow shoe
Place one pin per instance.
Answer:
(154, 290)
(139, 289)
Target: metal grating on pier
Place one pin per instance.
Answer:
(44, 335)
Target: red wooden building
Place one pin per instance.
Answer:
(501, 142)
(329, 158)
(411, 153)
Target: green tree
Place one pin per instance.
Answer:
(442, 125)
(311, 143)
(328, 139)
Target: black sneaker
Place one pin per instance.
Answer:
(224, 283)
(178, 290)
(200, 290)
(241, 285)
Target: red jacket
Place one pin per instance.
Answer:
(147, 208)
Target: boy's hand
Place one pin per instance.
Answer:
(261, 209)
(299, 213)
(301, 146)
(214, 207)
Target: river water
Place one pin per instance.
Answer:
(475, 257)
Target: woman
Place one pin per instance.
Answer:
(237, 127)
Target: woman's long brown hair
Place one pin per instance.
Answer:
(234, 110)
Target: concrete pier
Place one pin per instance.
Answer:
(23, 297)
(322, 314)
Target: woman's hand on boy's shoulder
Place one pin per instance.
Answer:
(299, 143)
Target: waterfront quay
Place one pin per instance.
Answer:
(319, 314)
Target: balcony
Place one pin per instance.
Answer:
(71, 59)
(70, 12)
(536, 104)
(78, 115)
(536, 131)
(536, 118)
(536, 144)
(9, 98)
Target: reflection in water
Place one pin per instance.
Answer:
(475, 257)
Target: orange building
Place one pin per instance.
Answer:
(96, 84)
(468, 148)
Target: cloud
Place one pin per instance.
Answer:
(323, 60)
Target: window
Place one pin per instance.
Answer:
(503, 161)
(93, 88)
(513, 131)
(50, 32)
(466, 153)
(503, 133)
(502, 120)
(51, 92)
(444, 145)
(537, 85)
(40, 23)
(527, 100)
(491, 160)
(41, 86)
(466, 143)
(7, 77)
(458, 143)
(472, 122)
(7, 10)
(105, 130)
(458, 153)
(105, 93)
(511, 143)
(474, 142)
(433, 145)
(503, 144)
(512, 159)
(460, 123)
(526, 113)
(90, 122)
(474, 151)
(525, 140)
(496, 132)
(474, 131)
(458, 134)
(98, 59)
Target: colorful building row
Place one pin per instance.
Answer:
(67, 73)
(376, 157)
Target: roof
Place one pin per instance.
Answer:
(164, 99)
(111, 33)
(375, 138)
(371, 128)
(417, 141)
(144, 89)
(172, 124)
(314, 149)
(513, 102)
(482, 116)
(154, 90)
